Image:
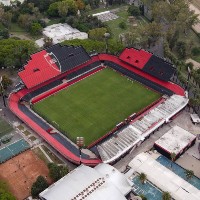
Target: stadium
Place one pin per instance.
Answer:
(113, 102)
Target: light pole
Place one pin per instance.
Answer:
(2, 94)
(107, 36)
(80, 144)
(188, 78)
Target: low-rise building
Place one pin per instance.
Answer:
(102, 182)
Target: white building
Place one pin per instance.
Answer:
(61, 32)
(164, 178)
(176, 140)
(102, 182)
(8, 2)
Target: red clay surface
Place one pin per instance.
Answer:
(21, 172)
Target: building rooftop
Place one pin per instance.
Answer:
(101, 182)
(60, 32)
(195, 118)
(175, 140)
(164, 178)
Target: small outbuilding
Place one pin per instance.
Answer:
(177, 140)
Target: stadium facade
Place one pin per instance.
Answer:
(58, 67)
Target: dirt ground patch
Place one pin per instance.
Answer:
(21, 171)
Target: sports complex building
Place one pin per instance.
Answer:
(114, 102)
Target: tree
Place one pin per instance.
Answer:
(173, 157)
(15, 52)
(6, 81)
(26, 20)
(4, 34)
(99, 46)
(133, 10)
(72, 7)
(43, 5)
(62, 8)
(48, 42)
(36, 28)
(166, 196)
(80, 4)
(142, 177)
(181, 49)
(53, 10)
(97, 33)
(176, 14)
(6, 19)
(4, 192)
(122, 25)
(38, 186)
(57, 172)
(189, 174)
(143, 197)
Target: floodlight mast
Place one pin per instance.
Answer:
(107, 36)
(80, 144)
(2, 89)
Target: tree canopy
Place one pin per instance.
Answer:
(114, 47)
(38, 186)
(57, 172)
(15, 52)
(4, 192)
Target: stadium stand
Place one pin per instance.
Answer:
(148, 62)
(13, 149)
(73, 64)
(83, 70)
(140, 128)
(68, 56)
(51, 62)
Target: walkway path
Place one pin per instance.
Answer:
(45, 153)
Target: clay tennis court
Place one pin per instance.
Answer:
(21, 171)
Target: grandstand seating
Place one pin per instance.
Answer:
(148, 62)
(51, 62)
(41, 90)
(118, 143)
(106, 16)
(140, 128)
(68, 56)
(83, 70)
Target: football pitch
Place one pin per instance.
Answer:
(94, 106)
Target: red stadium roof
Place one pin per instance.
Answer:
(137, 58)
(39, 69)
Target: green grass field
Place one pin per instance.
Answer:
(93, 106)
(4, 127)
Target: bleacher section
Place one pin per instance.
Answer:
(52, 62)
(83, 70)
(140, 128)
(159, 68)
(13, 149)
(106, 16)
(148, 63)
(41, 90)
(138, 78)
(68, 56)
(112, 148)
